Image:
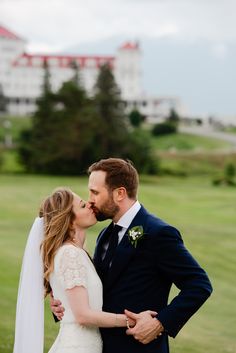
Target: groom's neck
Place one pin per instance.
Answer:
(124, 206)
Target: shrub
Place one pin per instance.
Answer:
(136, 118)
(230, 171)
(164, 129)
(227, 178)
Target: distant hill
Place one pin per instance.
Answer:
(201, 73)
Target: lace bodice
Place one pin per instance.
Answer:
(73, 267)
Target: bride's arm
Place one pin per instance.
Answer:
(84, 315)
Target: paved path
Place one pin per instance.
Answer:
(209, 132)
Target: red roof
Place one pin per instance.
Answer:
(5, 33)
(36, 60)
(130, 46)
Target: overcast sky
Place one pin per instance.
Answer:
(54, 25)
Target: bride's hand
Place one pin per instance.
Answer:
(133, 317)
(56, 307)
(131, 322)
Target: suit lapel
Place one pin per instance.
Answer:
(125, 250)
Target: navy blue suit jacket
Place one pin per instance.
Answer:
(141, 278)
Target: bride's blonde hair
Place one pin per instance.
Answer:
(57, 211)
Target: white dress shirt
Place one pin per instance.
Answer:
(127, 218)
(124, 222)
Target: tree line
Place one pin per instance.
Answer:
(70, 129)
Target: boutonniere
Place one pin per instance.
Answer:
(135, 234)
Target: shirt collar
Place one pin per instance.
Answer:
(129, 215)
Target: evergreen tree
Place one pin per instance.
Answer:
(75, 67)
(112, 131)
(173, 117)
(32, 138)
(3, 101)
(70, 131)
(61, 133)
(35, 139)
(113, 137)
(69, 146)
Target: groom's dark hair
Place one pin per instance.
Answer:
(119, 173)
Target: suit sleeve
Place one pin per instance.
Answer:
(179, 267)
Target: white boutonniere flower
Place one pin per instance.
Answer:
(135, 234)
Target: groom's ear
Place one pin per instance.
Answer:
(119, 194)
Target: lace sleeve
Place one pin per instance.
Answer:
(72, 270)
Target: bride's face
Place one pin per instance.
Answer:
(84, 215)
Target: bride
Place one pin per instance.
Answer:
(55, 260)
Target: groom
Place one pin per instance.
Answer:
(150, 256)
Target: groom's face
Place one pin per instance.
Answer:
(100, 197)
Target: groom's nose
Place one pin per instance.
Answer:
(89, 204)
(91, 198)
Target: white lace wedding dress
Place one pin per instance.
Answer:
(73, 267)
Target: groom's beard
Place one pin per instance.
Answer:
(107, 211)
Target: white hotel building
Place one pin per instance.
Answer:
(21, 76)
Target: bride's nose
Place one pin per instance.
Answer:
(88, 205)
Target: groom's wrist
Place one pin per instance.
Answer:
(161, 327)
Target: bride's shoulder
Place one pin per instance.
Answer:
(68, 254)
(70, 250)
(71, 266)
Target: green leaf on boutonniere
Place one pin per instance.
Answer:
(135, 234)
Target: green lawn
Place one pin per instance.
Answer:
(188, 142)
(186, 163)
(231, 129)
(205, 215)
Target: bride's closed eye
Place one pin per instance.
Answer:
(83, 204)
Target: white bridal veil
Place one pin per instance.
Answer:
(29, 327)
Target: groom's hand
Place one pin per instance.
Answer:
(56, 307)
(147, 327)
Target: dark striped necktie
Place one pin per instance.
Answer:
(113, 242)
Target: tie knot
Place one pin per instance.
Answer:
(116, 228)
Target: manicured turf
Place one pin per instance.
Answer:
(188, 142)
(205, 215)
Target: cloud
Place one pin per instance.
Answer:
(220, 51)
(198, 36)
(62, 23)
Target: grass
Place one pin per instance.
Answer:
(188, 142)
(11, 162)
(204, 214)
(196, 163)
(231, 129)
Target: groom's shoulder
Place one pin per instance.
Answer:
(153, 219)
(156, 224)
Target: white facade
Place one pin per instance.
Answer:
(21, 76)
(127, 70)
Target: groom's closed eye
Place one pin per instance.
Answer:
(95, 192)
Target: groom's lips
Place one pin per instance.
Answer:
(98, 214)
(95, 210)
